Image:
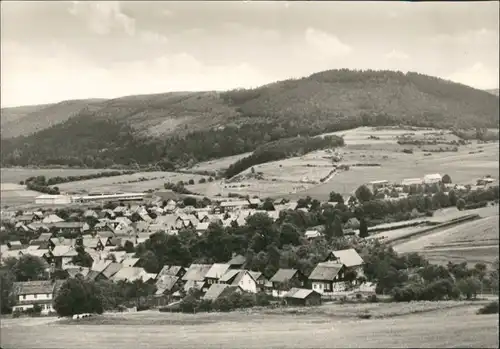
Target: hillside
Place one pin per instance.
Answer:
(186, 127)
(495, 91)
(27, 120)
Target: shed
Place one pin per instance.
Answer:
(302, 296)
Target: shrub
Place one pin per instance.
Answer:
(490, 308)
(222, 304)
(262, 299)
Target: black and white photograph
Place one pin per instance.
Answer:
(249, 174)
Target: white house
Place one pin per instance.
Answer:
(241, 278)
(30, 293)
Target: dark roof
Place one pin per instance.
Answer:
(33, 287)
(112, 269)
(93, 274)
(283, 275)
(325, 271)
(237, 260)
(197, 272)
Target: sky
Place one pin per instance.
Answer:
(54, 51)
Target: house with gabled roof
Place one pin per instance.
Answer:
(260, 279)
(51, 219)
(284, 279)
(302, 296)
(62, 255)
(129, 274)
(241, 278)
(173, 270)
(167, 284)
(195, 276)
(328, 278)
(29, 293)
(237, 261)
(349, 257)
(216, 272)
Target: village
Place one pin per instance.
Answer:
(112, 230)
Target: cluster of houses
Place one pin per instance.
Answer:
(133, 224)
(212, 280)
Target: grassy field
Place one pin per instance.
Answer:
(295, 177)
(458, 327)
(475, 241)
(137, 182)
(15, 175)
(218, 164)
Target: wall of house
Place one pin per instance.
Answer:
(248, 284)
(46, 308)
(278, 293)
(325, 287)
(35, 297)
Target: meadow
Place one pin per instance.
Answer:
(473, 242)
(299, 176)
(321, 327)
(15, 175)
(137, 182)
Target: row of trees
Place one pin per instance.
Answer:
(282, 149)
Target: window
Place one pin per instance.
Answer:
(48, 295)
(24, 296)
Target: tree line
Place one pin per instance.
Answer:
(282, 149)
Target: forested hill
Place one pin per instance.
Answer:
(182, 127)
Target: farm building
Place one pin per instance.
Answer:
(284, 278)
(110, 197)
(349, 257)
(432, 178)
(36, 292)
(216, 272)
(379, 184)
(328, 277)
(412, 181)
(301, 296)
(47, 199)
(241, 278)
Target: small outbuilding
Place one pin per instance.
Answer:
(302, 296)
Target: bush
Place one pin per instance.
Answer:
(490, 308)
(78, 296)
(262, 299)
(222, 304)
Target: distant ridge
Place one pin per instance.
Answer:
(182, 127)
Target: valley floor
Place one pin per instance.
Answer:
(449, 326)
